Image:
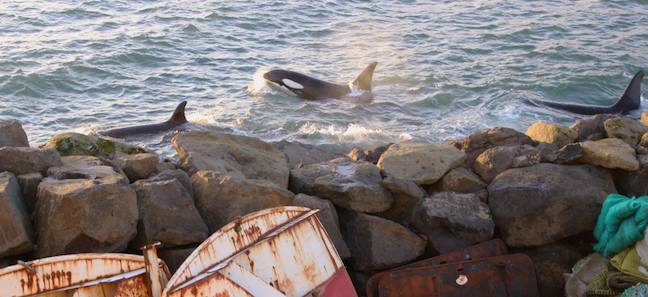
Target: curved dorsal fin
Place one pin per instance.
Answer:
(179, 113)
(631, 97)
(365, 78)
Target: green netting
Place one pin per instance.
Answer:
(621, 223)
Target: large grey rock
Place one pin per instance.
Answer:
(495, 160)
(591, 128)
(329, 218)
(353, 185)
(569, 153)
(298, 154)
(137, 166)
(71, 144)
(377, 243)
(610, 153)
(475, 144)
(16, 235)
(29, 186)
(177, 174)
(464, 215)
(12, 134)
(21, 160)
(85, 167)
(551, 263)
(221, 198)
(633, 183)
(167, 214)
(231, 155)
(626, 129)
(406, 195)
(536, 205)
(559, 135)
(82, 215)
(424, 163)
(460, 180)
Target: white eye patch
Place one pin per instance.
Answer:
(292, 84)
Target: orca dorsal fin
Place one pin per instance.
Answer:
(179, 113)
(364, 80)
(631, 97)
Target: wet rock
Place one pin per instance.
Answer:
(424, 163)
(167, 214)
(369, 155)
(610, 153)
(626, 129)
(548, 152)
(12, 134)
(174, 257)
(221, 198)
(68, 144)
(591, 128)
(495, 160)
(81, 215)
(29, 187)
(569, 153)
(633, 183)
(406, 195)
(476, 143)
(353, 185)
(16, 235)
(22, 160)
(377, 243)
(299, 154)
(551, 262)
(463, 215)
(85, 167)
(329, 218)
(165, 165)
(137, 166)
(177, 174)
(536, 205)
(559, 135)
(231, 155)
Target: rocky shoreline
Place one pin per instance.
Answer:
(540, 191)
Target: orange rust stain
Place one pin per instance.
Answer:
(132, 287)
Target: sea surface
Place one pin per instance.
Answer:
(445, 68)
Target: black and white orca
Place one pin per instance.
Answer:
(177, 118)
(630, 100)
(307, 87)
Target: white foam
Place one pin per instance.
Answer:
(353, 133)
(258, 86)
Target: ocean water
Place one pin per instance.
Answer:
(445, 68)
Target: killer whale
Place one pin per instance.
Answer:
(307, 87)
(630, 100)
(177, 118)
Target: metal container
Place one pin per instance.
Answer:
(281, 251)
(97, 275)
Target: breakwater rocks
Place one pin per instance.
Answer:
(540, 191)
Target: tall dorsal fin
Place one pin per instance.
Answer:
(631, 97)
(179, 113)
(365, 78)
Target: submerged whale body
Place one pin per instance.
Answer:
(307, 87)
(178, 118)
(630, 100)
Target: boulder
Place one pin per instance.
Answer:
(22, 160)
(551, 262)
(569, 153)
(369, 155)
(548, 152)
(231, 155)
(626, 129)
(536, 205)
(221, 198)
(12, 134)
(137, 166)
(177, 174)
(329, 218)
(16, 235)
(475, 144)
(610, 153)
(68, 144)
(495, 160)
(644, 118)
(85, 167)
(167, 214)
(353, 185)
(633, 183)
(460, 180)
(559, 135)
(424, 163)
(29, 187)
(377, 243)
(406, 195)
(81, 215)
(165, 164)
(644, 140)
(174, 257)
(591, 128)
(463, 215)
(298, 154)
